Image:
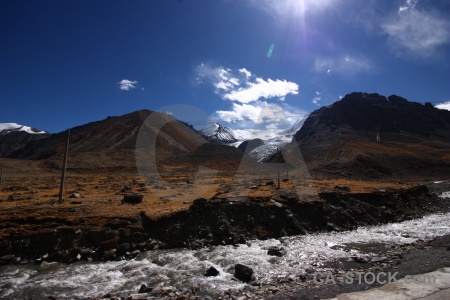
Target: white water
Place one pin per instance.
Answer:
(183, 268)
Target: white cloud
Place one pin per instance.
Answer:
(416, 32)
(261, 88)
(246, 72)
(343, 65)
(240, 112)
(317, 98)
(409, 4)
(241, 86)
(126, 85)
(445, 105)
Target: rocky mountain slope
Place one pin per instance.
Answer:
(14, 136)
(111, 143)
(371, 136)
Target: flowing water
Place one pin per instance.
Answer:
(184, 268)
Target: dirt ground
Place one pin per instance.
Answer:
(29, 193)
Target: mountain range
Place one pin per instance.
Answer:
(361, 136)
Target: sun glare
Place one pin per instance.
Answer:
(299, 7)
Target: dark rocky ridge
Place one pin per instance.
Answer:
(360, 115)
(13, 141)
(248, 146)
(220, 221)
(340, 140)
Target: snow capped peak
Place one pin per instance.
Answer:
(14, 127)
(216, 133)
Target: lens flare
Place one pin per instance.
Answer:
(270, 52)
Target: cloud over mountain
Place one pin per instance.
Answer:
(255, 101)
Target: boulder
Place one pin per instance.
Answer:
(132, 198)
(243, 273)
(276, 251)
(124, 247)
(145, 289)
(212, 272)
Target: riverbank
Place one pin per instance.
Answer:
(414, 259)
(215, 221)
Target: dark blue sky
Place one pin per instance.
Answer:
(66, 63)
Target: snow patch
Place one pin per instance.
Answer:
(12, 127)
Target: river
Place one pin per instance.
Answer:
(184, 268)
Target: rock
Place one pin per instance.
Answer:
(47, 265)
(342, 188)
(8, 257)
(243, 273)
(270, 183)
(276, 251)
(199, 202)
(124, 247)
(75, 195)
(137, 297)
(167, 288)
(212, 272)
(277, 204)
(156, 291)
(303, 276)
(110, 253)
(360, 259)
(194, 289)
(145, 289)
(378, 259)
(132, 198)
(13, 198)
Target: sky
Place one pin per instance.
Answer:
(244, 63)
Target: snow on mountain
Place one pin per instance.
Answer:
(273, 139)
(295, 127)
(216, 133)
(14, 127)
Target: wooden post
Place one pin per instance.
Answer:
(278, 176)
(63, 174)
(1, 174)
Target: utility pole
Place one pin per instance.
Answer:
(378, 136)
(1, 174)
(278, 175)
(63, 174)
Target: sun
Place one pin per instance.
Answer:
(299, 7)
